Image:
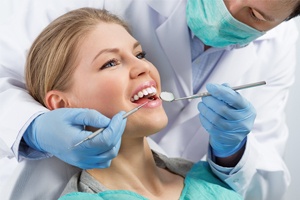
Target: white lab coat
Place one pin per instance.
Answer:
(163, 32)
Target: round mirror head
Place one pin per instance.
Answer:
(167, 96)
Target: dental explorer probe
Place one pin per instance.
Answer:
(169, 97)
(94, 134)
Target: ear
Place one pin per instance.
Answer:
(56, 99)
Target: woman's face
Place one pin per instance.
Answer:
(262, 15)
(111, 73)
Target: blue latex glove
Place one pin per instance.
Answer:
(227, 117)
(58, 130)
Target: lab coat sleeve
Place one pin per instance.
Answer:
(262, 172)
(18, 108)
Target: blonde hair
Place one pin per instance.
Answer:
(52, 56)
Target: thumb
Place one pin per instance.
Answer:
(87, 117)
(228, 95)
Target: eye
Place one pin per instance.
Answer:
(254, 17)
(141, 55)
(111, 63)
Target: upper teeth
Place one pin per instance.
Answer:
(147, 91)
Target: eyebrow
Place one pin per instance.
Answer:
(267, 17)
(115, 50)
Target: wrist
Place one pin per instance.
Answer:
(29, 138)
(230, 161)
(229, 152)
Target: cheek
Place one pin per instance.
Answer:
(109, 102)
(107, 98)
(155, 75)
(99, 95)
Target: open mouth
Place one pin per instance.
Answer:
(149, 93)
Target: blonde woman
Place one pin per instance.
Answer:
(88, 59)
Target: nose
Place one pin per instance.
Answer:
(238, 9)
(139, 67)
(234, 7)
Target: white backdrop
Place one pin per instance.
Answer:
(6, 165)
(293, 146)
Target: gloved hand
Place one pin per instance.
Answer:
(227, 117)
(57, 131)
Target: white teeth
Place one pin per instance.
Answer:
(147, 91)
(140, 94)
(153, 89)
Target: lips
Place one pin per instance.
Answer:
(145, 92)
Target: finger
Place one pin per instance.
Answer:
(102, 160)
(117, 127)
(226, 94)
(211, 127)
(87, 117)
(212, 103)
(244, 122)
(224, 110)
(224, 137)
(111, 135)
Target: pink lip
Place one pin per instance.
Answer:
(154, 103)
(143, 86)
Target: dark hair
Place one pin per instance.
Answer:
(296, 12)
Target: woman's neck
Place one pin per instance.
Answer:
(134, 169)
(134, 165)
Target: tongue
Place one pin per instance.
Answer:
(141, 101)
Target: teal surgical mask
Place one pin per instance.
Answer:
(213, 24)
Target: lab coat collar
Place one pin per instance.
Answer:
(164, 8)
(229, 69)
(231, 66)
(271, 33)
(176, 45)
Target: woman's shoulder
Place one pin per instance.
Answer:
(178, 166)
(83, 182)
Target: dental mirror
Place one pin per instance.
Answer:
(169, 97)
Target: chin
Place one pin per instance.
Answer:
(157, 124)
(146, 127)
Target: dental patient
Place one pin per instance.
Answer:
(88, 59)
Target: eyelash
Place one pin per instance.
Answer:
(142, 54)
(108, 63)
(113, 62)
(254, 17)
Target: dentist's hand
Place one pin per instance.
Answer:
(57, 131)
(227, 117)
